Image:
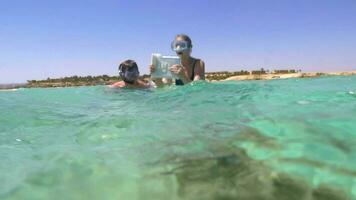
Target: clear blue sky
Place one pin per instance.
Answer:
(55, 38)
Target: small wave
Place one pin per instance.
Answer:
(303, 102)
(8, 90)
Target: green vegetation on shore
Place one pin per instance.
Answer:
(76, 81)
(107, 80)
(209, 76)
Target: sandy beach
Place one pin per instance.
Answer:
(285, 76)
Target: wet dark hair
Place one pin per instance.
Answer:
(127, 64)
(186, 38)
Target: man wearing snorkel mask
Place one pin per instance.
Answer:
(129, 74)
(190, 69)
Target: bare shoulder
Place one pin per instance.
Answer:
(201, 64)
(143, 84)
(199, 70)
(119, 84)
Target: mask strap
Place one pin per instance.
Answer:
(121, 72)
(120, 67)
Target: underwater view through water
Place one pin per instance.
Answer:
(279, 139)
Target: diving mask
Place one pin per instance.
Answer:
(129, 75)
(180, 46)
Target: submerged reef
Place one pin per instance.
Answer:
(230, 174)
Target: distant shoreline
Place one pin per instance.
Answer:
(11, 86)
(288, 75)
(76, 81)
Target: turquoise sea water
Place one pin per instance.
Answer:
(280, 139)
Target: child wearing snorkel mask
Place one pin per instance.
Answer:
(190, 69)
(128, 71)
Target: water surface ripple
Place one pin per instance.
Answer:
(280, 139)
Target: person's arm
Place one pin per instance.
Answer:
(181, 73)
(117, 85)
(199, 71)
(167, 81)
(144, 84)
(157, 81)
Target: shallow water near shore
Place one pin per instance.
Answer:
(279, 139)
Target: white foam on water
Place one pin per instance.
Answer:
(8, 90)
(303, 102)
(353, 190)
